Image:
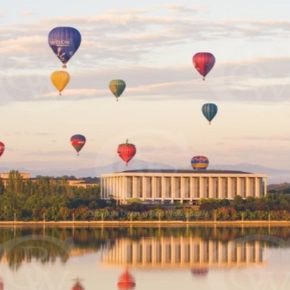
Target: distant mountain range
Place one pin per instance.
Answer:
(275, 175)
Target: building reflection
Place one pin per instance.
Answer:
(184, 252)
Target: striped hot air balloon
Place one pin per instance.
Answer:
(203, 62)
(209, 110)
(199, 162)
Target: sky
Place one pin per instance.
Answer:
(150, 45)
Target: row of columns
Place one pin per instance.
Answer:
(180, 187)
(184, 251)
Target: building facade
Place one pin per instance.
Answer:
(166, 186)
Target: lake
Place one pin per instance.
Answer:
(154, 258)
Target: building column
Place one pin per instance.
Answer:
(219, 190)
(182, 189)
(229, 188)
(153, 187)
(265, 185)
(144, 188)
(134, 187)
(163, 188)
(172, 188)
(201, 188)
(247, 187)
(238, 186)
(191, 189)
(257, 188)
(210, 187)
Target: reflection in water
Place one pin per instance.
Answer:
(126, 281)
(200, 272)
(196, 248)
(185, 252)
(78, 285)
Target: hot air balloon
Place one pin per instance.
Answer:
(209, 110)
(126, 281)
(2, 148)
(126, 151)
(199, 162)
(117, 87)
(64, 41)
(78, 141)
(60, 79)
(203, 62)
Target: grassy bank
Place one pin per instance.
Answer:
(256, 223)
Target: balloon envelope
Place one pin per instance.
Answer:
(126, 151)
(64, 41)
(2, 148)
(203, 62)
(209, 110)
(117, 87)
(78, 141)
(199, 162)
(60, 79)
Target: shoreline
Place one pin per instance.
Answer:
(164, 224)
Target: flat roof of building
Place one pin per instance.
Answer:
(185, 171)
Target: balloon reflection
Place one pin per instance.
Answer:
(126, 281)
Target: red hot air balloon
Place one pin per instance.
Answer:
(2, 148)
(203, 62)
(78, 141)
(126, 151)
(126, 281)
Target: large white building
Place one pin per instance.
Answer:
(169, 186)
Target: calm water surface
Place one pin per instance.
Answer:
(157, 258)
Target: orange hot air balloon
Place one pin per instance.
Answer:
(126, 151)
(126, 281)
(203, 62)
(60, 79)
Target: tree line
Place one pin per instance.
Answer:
(52, 199)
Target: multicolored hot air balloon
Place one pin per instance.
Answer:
(60, 79)
(126, 281)
(78, 141)
(126, 151)
(117, 87)
(199, 162)
(2, 148)
(203, 62)
(209, 110)
(64, 41)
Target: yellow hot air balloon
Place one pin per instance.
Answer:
(60, 79)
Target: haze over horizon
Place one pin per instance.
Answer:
(150, 45)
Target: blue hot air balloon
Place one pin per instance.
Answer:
(64, 41)
(209, 110)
